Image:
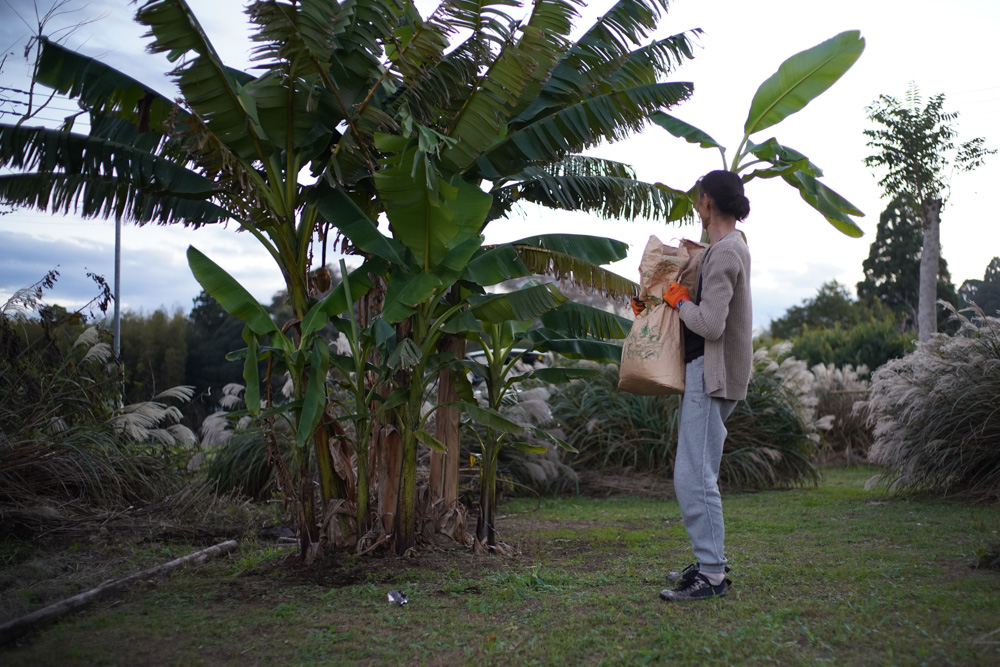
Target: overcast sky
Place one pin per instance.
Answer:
(945, 49)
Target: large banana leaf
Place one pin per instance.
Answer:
(297, 114)
(495, 264)
(575, 127)
(233, 297)
(826, 201)
(44, 150)
(420, 45)
(577, 258)
(682, 130)
(579, 272)
(488, 418)
(802, 78)
(522, 305)
(484, 116)
(611, 39)
(779, 155)
(405, 292)
(454, 264)
(104, 198)
(646, 64)
(593, 249)
(428, 215)
(341, 211)
(294, 38)
(576, 348)
(614, 197)
(208, 87)
(314, 400)
(575, 320)
(544, 38)
(101, 88)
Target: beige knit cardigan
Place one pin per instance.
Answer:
(724, 318)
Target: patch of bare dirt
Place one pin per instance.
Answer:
(603, 483)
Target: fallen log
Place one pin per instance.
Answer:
(20, 626)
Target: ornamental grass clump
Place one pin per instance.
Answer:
(936, 413)
(67, 444)
(837, 392)
(774, 434)
(615, 429)
(521, 472)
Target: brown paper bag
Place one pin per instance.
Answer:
(653, 353)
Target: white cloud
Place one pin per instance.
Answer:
(794, 250)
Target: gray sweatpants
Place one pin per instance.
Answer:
(700, 436)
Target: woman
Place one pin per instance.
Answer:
(718, 326)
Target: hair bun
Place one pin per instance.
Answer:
(726, 190)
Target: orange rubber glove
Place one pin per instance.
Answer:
(676, 293)
(637, 306)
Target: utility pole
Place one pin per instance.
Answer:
(117, 324)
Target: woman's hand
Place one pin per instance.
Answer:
(675, 294)
(637, 306)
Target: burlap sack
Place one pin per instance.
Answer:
(653, 353)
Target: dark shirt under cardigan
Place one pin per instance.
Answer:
(723, 317)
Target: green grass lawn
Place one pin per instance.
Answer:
(830, 574)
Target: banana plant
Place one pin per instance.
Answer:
(798, 81)
(504, 344)
(390, 117)
(362, 373)
(306, 357)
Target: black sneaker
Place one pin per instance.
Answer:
(695, 586)
(673, 577)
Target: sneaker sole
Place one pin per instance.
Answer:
(666, 596)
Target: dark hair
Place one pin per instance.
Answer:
(726, 190)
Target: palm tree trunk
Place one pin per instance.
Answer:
(930, 213)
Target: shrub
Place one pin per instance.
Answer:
(869, 343)
(935, 413)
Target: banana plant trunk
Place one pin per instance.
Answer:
(377, 460)
(406, 521)
(307, 531)
(930, 213)
(444, 467)
(364, 519)
(485, 534)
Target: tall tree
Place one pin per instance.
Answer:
(915, 148)
(153, 353)
(211, 335)
(892, 269)
(832, 306)
(985, 293)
